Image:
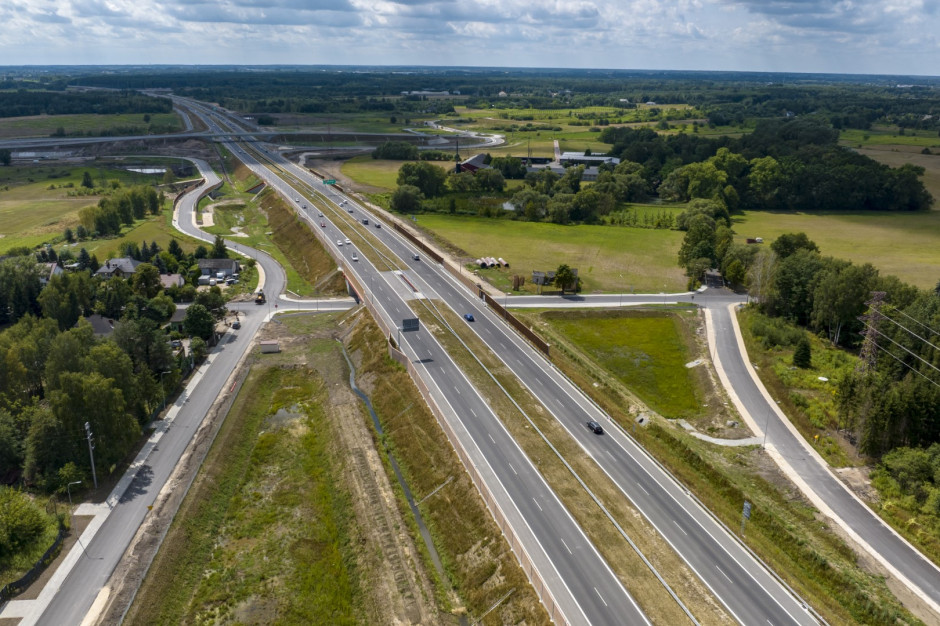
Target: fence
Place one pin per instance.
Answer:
(11, 589)
(516, 323)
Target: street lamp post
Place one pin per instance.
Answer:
(68, 489)
(162, 388)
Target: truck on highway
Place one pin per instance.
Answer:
(259, 298)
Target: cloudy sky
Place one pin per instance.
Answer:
(850, 36)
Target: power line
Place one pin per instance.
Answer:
(916, 356)
(918, 372)
(916, 321)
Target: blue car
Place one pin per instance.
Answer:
(468, 317)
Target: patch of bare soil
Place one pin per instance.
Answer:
(399, 590)
(720, 419)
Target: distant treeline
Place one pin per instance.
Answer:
(21, 103)
(785, 164)
(725, 97)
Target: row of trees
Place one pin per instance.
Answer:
(38, 102)
(120, 209)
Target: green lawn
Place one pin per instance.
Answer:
(645, 350)
(378, 172)
(45, 125)
(904, 244)
(645, 258)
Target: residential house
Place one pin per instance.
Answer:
(122, 268)
(48, 271)
(214, 267)
(171, 280)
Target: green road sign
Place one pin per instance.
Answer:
(329, 181)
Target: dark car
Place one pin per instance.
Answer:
(236, 324)
(468, 317)
(595, 427)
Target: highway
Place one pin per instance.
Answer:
(743, 585)
(579, 580)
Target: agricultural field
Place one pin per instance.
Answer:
(644, 258)
(87, 124)
(37, 203)
(904, 244)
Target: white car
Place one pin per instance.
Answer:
(355, 257)
(339, 242)
(348, 242)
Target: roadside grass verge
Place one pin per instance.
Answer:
(644, 257)
(810, 405)
(476, 557)
(906, 245)
(636, 577)
(784, 530)
(87, 124)
(269, 224)
(646, 351)
(263, 531)
(808, 401)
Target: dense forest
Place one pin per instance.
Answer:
(22, 102)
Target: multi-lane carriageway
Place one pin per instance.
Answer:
(747, 589)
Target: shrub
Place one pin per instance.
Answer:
(21, 521)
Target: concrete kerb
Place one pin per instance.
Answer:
(807, 491)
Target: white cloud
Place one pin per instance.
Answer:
(862, 36)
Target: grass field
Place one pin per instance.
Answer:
(646, 351)
(36, 205)
(889, 135)
(245, 544)
(904, 244)
(645, 258)
(45, 125)
(376, 173)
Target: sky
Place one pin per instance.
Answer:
(838, 36)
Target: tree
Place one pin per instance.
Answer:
(219, 251)
(803, 354)
(565, 278)
(21, 521)
(490, 180)
(175, 249)
(68, 235)
(406, 199)
(699, 240)
(427, 177)
(146, 280)
(6, 157)
(198, 322)
(788, 243)
(81, 232)
(87, 182)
